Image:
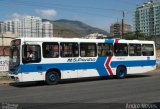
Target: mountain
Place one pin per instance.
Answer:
(77, 29)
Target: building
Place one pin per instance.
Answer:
(7, 38)
(95, 36)
(29, 26)
(4, 52)
(47, 29)
(17, 27)
(147, 18)
(1, 28)
(116, 29)
(5, 43)
(8, 27)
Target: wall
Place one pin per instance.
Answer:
(4, 52)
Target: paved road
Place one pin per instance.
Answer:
(141, 88)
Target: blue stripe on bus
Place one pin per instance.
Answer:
(98, 65)
(115, 64)
(109, 41)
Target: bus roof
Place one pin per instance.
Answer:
(55, 39)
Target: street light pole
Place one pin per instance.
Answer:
(155, 34)
(2, 41)
(122, 25)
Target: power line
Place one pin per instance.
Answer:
(68, 6)
(71, 10)
(60, 6)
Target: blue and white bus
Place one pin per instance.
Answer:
(54, 59)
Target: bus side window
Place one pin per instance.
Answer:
(69, 49)
(31, 54)
(105, 49)
(134, 49)
(50, 50)
(147, 49)
(88, 49)
(121, 49)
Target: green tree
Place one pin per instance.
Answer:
(136, 36)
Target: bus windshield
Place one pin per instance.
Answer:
(15, 53)
(14, 56)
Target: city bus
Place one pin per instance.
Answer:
(55, 59)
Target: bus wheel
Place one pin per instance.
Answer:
(121, 72)
(52, 78)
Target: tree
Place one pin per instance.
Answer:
(135, 36)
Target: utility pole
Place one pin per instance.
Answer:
(155, 34)
(123, 15)
(137, 33)
(2, 41)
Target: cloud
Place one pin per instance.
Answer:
(48, 14)
(17, 16)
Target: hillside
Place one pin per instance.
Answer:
(69, 28)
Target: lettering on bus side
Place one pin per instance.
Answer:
(81, 60)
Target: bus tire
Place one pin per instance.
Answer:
(52, 78)
(121, 72)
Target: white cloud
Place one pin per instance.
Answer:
(17, 15)
(48, 14)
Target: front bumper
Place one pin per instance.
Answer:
(13, 77)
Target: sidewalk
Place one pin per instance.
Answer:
(5, 80)
(158, 65)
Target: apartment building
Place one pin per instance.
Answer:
(1, 28)
(147, 18)
(29, 26)
(116, 29)
(47, 29)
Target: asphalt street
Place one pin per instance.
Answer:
(141, 88)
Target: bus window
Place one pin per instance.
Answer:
(121, 49)
(134, 49)
(31, 53)
(50, 50)
(105, 49)
(69, 49)
(147, 50)
(88, 50)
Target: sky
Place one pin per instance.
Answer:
(97, 13)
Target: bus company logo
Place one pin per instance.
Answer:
(9, 106)
(81, 60)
